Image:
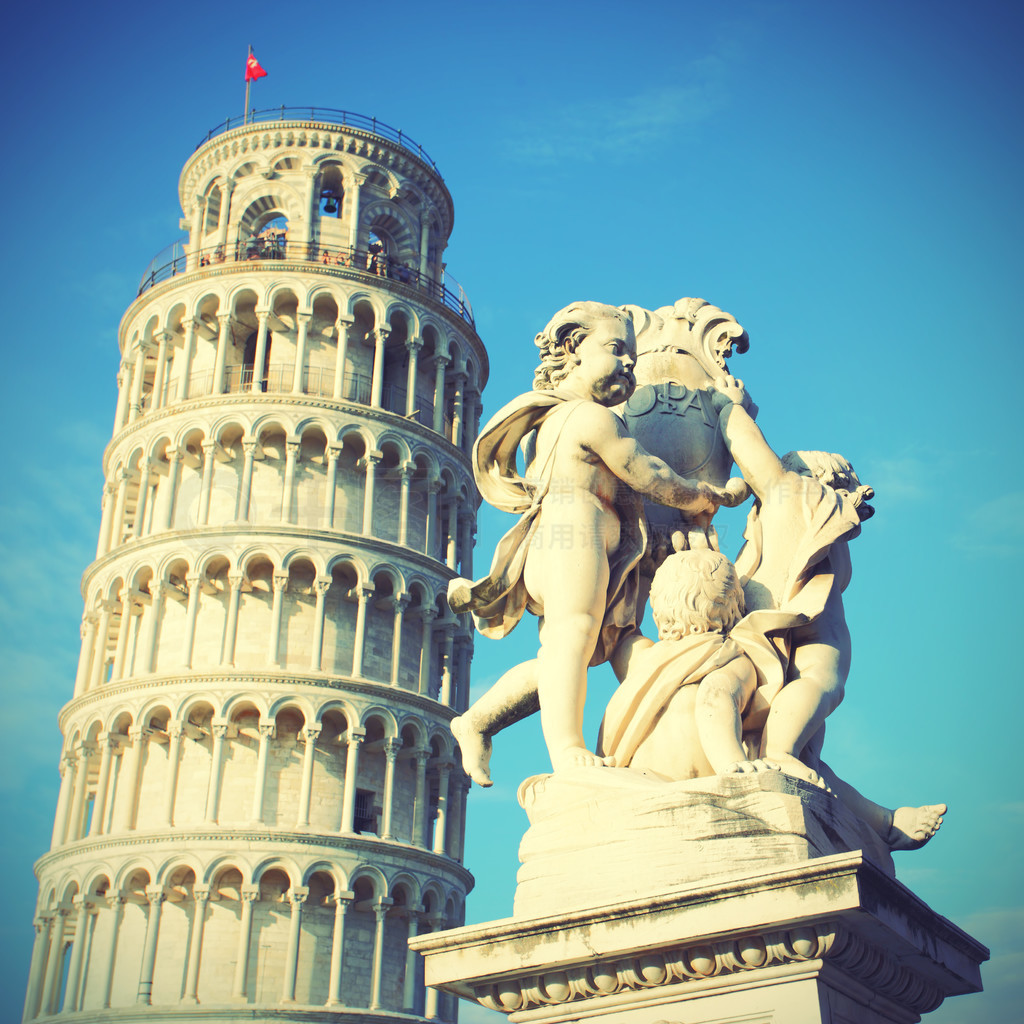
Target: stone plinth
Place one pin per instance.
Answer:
(832, 940)
(601, 837)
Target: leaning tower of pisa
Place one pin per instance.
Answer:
(259, 800)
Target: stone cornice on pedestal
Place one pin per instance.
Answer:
(836, 919)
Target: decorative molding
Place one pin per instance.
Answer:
(828, 940)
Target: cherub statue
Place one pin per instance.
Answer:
(572, 557)
(782, 668)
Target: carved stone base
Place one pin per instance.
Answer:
(601, 836)
(832, 940)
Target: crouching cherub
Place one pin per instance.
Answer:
(572, 557)
(762, 703)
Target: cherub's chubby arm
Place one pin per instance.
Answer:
(605, 435)
(760, 466)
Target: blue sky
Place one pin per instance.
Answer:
(844, 178)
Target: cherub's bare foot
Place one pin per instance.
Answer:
(746, 767)
(578, 757)
(793, 766)
(476, 750)
(912, 827)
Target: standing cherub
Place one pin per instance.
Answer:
(572, 557)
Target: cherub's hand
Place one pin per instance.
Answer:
(728, 390)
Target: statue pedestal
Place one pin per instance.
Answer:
(831, 940)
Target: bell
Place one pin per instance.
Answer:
(331, 205)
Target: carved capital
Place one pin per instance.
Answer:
(155, 894)
(298, 895)
(333, 453)
(281, 582)
(391, 749)
(293, 448)
(219, 730)
(311, 735)
(236, 580)
(250, 448)
(250, 893)
(267, 730)
(200, 893)
(321, 585)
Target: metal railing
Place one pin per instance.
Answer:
(325, 115)
(278, 247)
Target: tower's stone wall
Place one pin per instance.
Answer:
(259, 799)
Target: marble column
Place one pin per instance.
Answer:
(413, 346)
(201, 896)
(445, 694)
(67, 783)
(391, 749)
(188, 353)
(427, 649)
(430, 541)
(168, 492)
(421, 816)
(296, 897)
(459, 378)
(206, 484)
(37, 966)
(441, 822)
(320, 585)
(306, 788)
(364, 594)
(249, 895)
(411, 958)
(221, 357)
(138, 376)
(440, 364)
(128, 784)
(105, 973)
(401, 603)
(406, 471)
(174, 733)
(331, 486)
(380, 337)
(75, 818)
(159, 378)
(54, 963)
(236, 581)
(380, 909)
(369, 463)
(348, 803)
(280, 588)
(292, 448)
(342, 326)
(194, 581)
(220, 731)
(266, 735)
(302, 332)
(155, 895)
(342, 901)
(107, 503)
(152, 633)
(88, 635)
(99, 803)
(249, 449)
(73, 985)
(260, 356)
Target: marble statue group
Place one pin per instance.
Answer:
(615, 465)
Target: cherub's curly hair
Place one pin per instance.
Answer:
(833, 471)
(695, 591)
(558, 341)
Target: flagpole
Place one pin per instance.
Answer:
(245, 113)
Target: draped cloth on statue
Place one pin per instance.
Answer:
(813, 565)
(499, 599)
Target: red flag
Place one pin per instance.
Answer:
(253, 69)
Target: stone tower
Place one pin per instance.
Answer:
(259, 802)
